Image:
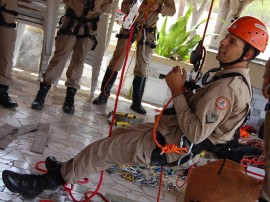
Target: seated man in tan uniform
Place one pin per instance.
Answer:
(265, 194)
(8, 33)
(77, 33)
(209, 116)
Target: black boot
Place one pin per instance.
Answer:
(138, 89)
(30, 185)
(40, 98)
(5, 100)
(109, 77)
(52, 164)
(68, 105)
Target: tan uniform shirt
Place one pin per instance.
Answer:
(214, 111)
(77, 6)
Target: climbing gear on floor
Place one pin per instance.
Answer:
(255, 162)
(138, 90)
(38, 103)
(124, 119)
(2, 19)
(106, 85)
(5, 100)
(68, 105)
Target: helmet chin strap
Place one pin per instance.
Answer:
(231, 63)
(241, 59)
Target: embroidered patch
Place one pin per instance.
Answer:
(222, 103)
(211, 118)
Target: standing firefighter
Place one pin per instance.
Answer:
(77, 33)
(144, 34)
(8, 33)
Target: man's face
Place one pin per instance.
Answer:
(230, 48)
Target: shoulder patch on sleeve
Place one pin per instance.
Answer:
(211, 117)
(222, 103)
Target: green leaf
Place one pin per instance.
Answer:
(174, 41)
(162, 35)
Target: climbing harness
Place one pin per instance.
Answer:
(82, 22)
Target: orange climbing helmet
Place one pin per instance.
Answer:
(251, 30)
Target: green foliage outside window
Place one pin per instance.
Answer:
(176, 40)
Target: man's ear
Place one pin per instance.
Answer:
(250, 53)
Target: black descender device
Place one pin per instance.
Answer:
(196, 56)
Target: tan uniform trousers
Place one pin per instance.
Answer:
(143, 53)
(64, 45)
(7, 46)
(7, 42)
(127, 145)
(266, 183)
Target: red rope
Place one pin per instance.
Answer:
(188, 175)
(168, 148)
(160, 183)
(69, 187)
(121, 79)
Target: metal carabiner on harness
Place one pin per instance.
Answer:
(189, 162)
(132, 15)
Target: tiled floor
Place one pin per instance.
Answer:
(67, 136)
